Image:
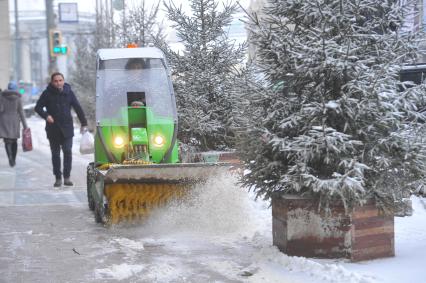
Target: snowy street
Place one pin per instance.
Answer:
(222, 235)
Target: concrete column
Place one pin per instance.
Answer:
(5, 42)
(25, 57)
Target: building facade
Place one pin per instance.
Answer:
(34, 47)
(5, 51)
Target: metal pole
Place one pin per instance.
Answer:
(18, 52)
(124, 35)
(97, 13)
(112, 25)
(50, 24)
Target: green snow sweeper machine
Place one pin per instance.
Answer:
(136, 166)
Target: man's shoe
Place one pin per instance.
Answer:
(58, 183)
(67, 182)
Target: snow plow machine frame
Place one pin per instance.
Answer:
(136, 167)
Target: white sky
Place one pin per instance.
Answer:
(39, 5)
(85, 5)
(88, 6)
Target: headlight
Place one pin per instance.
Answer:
(118, 142)
(158, 141)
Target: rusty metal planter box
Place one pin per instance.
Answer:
(299, 229)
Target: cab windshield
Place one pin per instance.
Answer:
(118, 80)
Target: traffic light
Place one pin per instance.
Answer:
(24, 87)
(60, 50)
(55, 42)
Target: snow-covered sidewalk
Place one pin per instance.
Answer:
(410, 251)
(237, 232)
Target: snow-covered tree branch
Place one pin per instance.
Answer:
(332, 119)
(205, 72)
(139, 25)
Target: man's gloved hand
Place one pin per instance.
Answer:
(83, 129)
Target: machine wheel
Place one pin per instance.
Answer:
(100, 214)
(91, 179)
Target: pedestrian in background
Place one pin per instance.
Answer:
(54, 105)
(11, 114)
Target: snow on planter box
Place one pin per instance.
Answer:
(300, 228)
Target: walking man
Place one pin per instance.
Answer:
(54, 105)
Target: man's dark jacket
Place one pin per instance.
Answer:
(58, 105)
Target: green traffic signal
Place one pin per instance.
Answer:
(22, 90)
(60, 50)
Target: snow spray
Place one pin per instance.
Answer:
(219, 206)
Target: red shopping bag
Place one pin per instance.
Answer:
(27, 143)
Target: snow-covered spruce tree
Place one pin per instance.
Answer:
(83, 73)
(82, 76)
(204, 73)
(331, 121)
(140, 25)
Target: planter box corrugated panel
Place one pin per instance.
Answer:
(372, 234)
(299, 229)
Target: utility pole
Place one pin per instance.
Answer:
(6, 72)
(50, 24)
(124, 22)
(112, 41)
(18, 52)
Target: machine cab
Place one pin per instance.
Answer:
(135, 107)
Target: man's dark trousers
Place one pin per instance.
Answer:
(55, 147)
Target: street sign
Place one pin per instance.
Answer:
(68, 12)
(118, 5)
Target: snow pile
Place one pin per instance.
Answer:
(130, 247)
(130, 244)
(270, 265)
(408, 229)
(118, 271)
(166, 269)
